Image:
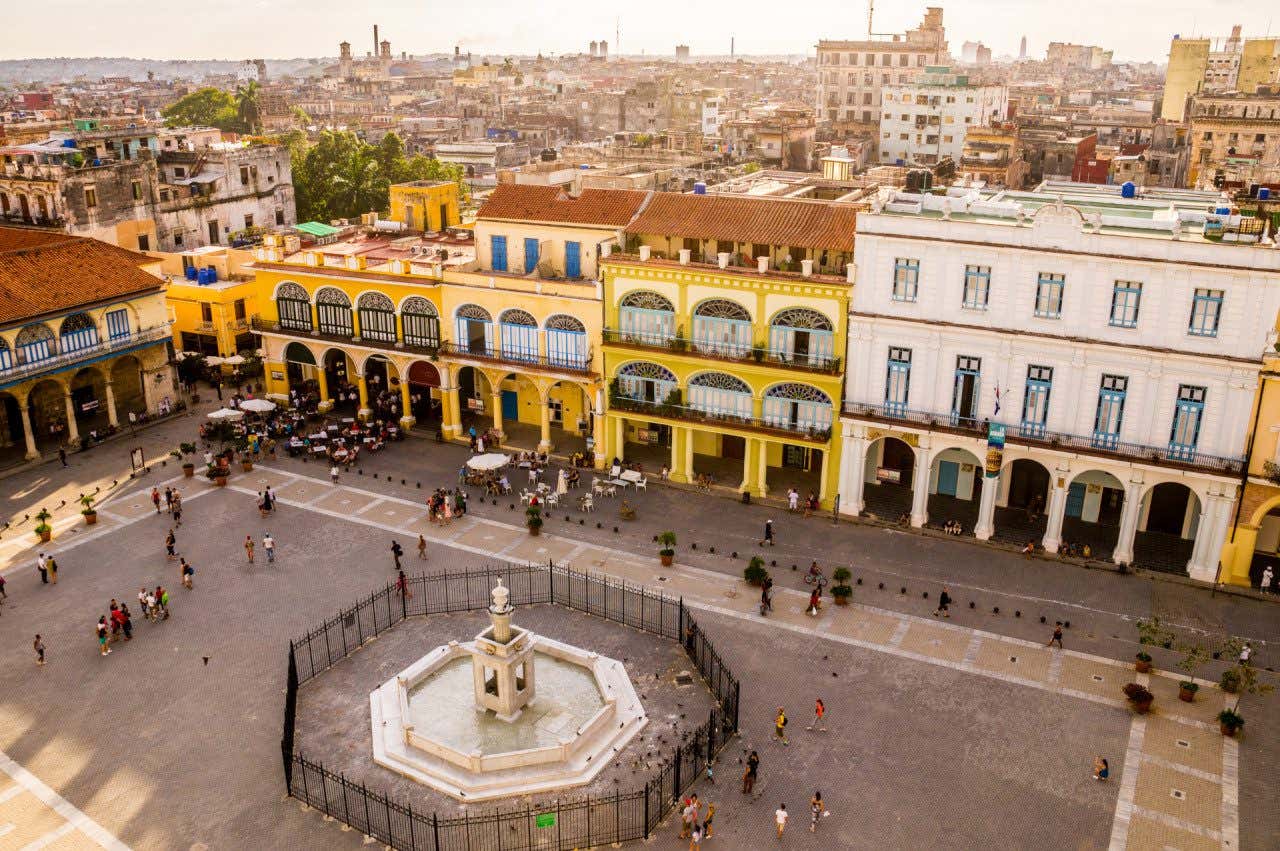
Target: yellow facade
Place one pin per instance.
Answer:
(1256, 531)
(1259, 61)
(756, 412)
(425, 205)
(1188, 59)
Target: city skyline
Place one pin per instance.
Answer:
(295, 30)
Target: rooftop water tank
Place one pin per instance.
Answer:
(700, 188)
(1264, 193)
(190, 272)
(1128, 189)
(213, 275)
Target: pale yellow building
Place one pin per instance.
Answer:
(425, 205)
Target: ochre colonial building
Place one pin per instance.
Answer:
(83, 339)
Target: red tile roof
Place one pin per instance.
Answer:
(43, 272)
(735, 218)
(606, 207)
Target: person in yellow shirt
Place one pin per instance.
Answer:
(780, 726)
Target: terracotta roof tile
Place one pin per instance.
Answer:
(607, 207)
(43, 272)
(735, 218)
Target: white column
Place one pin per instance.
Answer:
(33, 451)
(1057, 511)
(112, 417)
(853, 472)
(1128, 523)
(920, 488)
(73, 433)
(986, 525)
(1210, 534)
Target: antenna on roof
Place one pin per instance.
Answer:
(871, 10)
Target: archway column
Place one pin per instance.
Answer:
(598, 431)
(322, 378)
(450, 417)
(748, 464)
(32, 451)
(681, 454)
(1215, 517)
(762, 467)
(853, 466)
(1246, 541)
(920, 487)
(496, 398)
(362, 385)
(1129, 513)
(544, 441)
(112, 416)
(73, 433)
(824, 484)
(1057, 510)
(986, 525)
(407, 418)
(618, 446)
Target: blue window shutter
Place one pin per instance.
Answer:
(499, 250)
(573, 259)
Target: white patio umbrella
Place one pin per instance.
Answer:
(488, 461)
(234, 360)
(562, 483)
(213, 361)
(225, 414)
(257, 405)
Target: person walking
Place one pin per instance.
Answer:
(177, 511)
(402, 585)
(944, 604)
(269, 545)
(780, 818)
(815, 601)
(62, 456)
(333, 474)
(768, 534)
(271, 495)
(38, 646)
(143, 604)
(422, 547)
(168, 499)
(102, 630)
(396, 552)
(1267, 578)
(170, 541)
(126, 621)
(42, 565)
(155, 498)
(1101, 770)
(819, 712)
(753, 771)
(52, 565)
(162, 603)
(187, 572)
(248, 547)
(816, 810)
(688, 817)
(780, 726)
(793, 500)
(695, 838)
(1057, 635)
(706, 825)
(1246, 653)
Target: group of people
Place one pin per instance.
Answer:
(172, 500)
(794, 504)
(443, 505)
(694, 826)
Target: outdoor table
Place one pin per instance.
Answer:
(319, 436)
(348, 419)
(317, 450)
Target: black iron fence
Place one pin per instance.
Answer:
(562, 823)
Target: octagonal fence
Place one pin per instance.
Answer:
(559, 823)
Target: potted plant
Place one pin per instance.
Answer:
(1230, 682)
(89, 512)
(217, 473)
(1229, 722)
(188, 467)
(533, 518)
(754, 572)
(1195, 656)
(841, 591)
(1139, 697)
(668, 551)
(1151, 632)
(246, 462)
(43, 530)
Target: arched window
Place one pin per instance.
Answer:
(421, 323)
(6, 356)
(293, 306)
(519, 335)
(567, 342)
(475, 330)
(802, 334)
(333, 308)
(797, 406)
(377, 317)
(646, 317)
(35, 343)
(646, 382)
(722, 327)
(78, 332)
(720, 395)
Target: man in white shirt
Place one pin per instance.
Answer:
(780, 817)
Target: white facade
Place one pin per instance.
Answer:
(1122, 360)
(927, 120)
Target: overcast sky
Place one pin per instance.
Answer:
(238, 29)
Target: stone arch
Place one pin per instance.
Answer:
(88, 389)
(645, 381)
(293, 306)
(333, 310)
(720, 394)
(47, 407)
(34, 343)
(77, 331)
(299, 353)
(797, 406)
(565, 322)
(646, 300)
(1095, 502)
(334, 296)
(516, 316)
(377, 314)
(127, 386)
(1263, 510)
(1026, 482)
(473, 312)
(802, 317)
(722, 308)
(375, 300)
(289, 289)
(418, 304)
(1172, 507)
(419, 322)
(645, 316)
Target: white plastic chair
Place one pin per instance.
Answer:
(642, 485)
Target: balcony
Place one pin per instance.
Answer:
(672, 344)
(579, 365)
(265, 326)
(104, 348)
(238, 325)
(683, 413)
(1104, 446)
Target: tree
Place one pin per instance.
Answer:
(249, 106)
(208, 107)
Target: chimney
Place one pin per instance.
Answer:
(723, 259)
(375, 39)
(762, 263)
(644, 252)
(684, 256)
(806, 268)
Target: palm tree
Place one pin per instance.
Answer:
(249, 107)
(359, 186)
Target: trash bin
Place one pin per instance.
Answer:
(746, 497)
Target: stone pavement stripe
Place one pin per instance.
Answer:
(900, 633)
(12, 792)
(1180, 824)
(971, 652)
(1185, 769)
(60, 805)
(1230, 793)
(49, 838)
(1054, 673)
(1128, 784)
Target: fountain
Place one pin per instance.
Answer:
(507, 731)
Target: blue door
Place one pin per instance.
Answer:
(499, 250)
(1075, 499)
(573, 260)
(948, 475)
(510, 405)
(530, 255)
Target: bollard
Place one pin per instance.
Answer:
(995, 610)
(1017, 613)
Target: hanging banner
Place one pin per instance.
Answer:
(995, 449)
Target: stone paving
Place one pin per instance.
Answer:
(1177, 782)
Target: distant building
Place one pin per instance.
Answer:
(1205, 66)
(926, 120)
(852, 74)
(1235, 139)
(1064, 56)
(682, 53)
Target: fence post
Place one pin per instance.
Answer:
(711, 736)
(680, 628)
(617, 818)
(646, 808)
(737, 699)
(675, 789)
(368, 820)
(435, 830)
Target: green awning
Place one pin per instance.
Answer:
(316, 229)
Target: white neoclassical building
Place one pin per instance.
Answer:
(1115, 343)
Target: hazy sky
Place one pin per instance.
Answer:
(237, 29)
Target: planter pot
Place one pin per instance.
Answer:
(1141, 667)
(535, 530)
(666, 560)
(1228, 729)
(1186, 694)
(246, 465)
(90, 518)
(220, 481)
(841, 601)
(1142, 707)
(45, 536)
(188, 470)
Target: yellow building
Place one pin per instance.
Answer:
(211, 314)
(725, 339)
(84, 336)
(427, 205)
(1254, 542)
(1188, 61)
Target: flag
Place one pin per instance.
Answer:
(996, 412)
